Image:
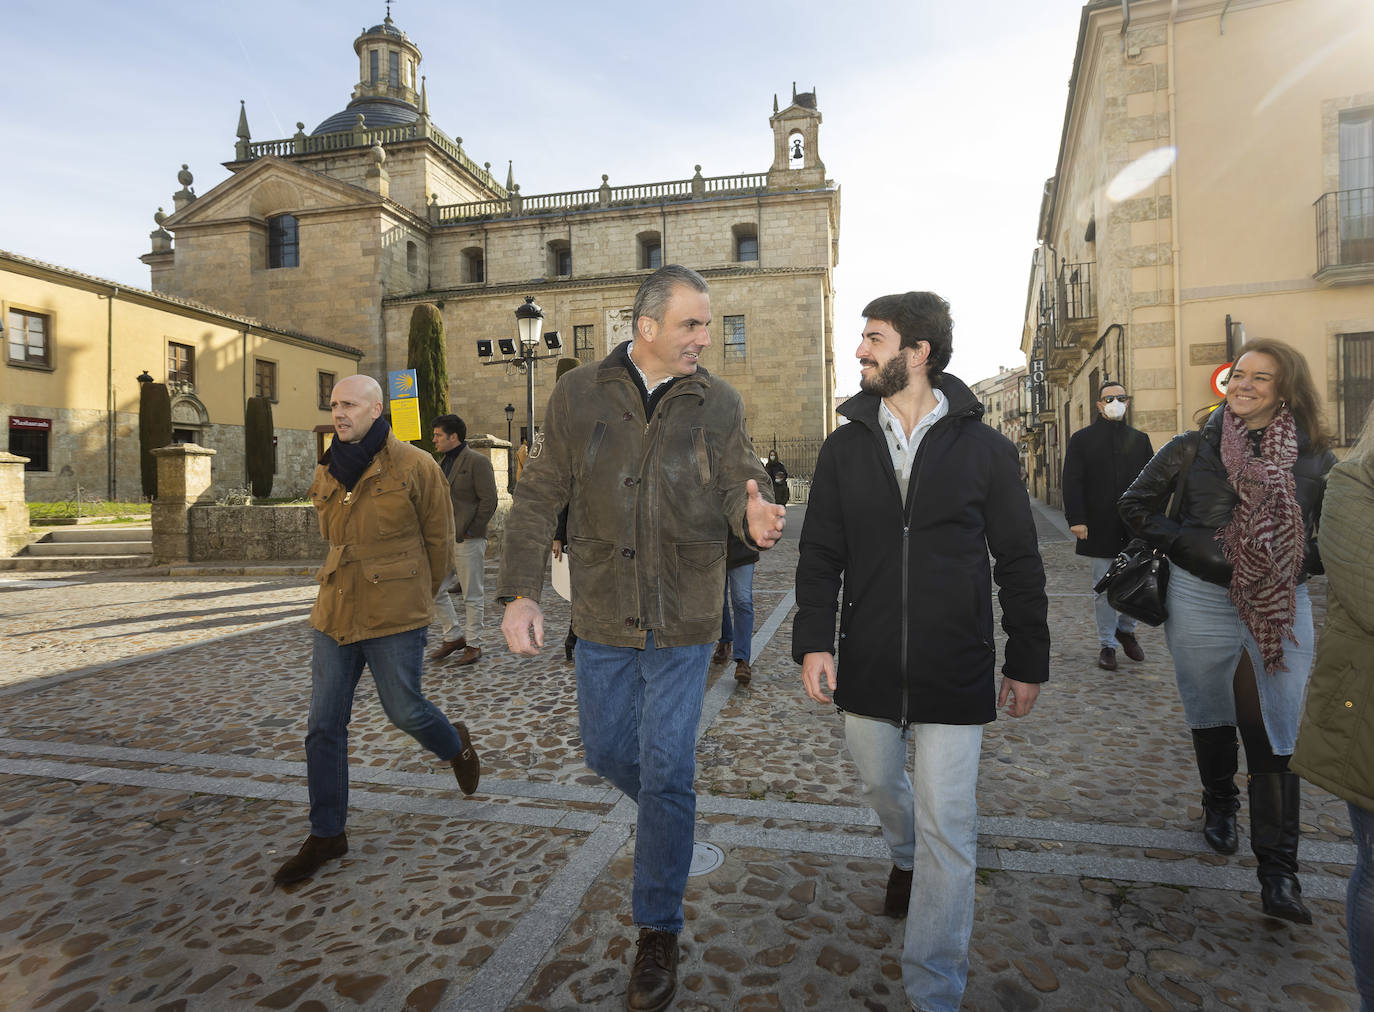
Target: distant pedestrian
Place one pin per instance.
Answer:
(1240, 621)
(777, 474)
(1101, 462)
(472, 490)
(384, 510)
(737, 617)
(1336, 740)
(906, 504)
(651, 455)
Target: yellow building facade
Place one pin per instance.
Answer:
(75, 346)
(1215, 182)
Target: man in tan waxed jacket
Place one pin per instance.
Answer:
(384, 508)
(652, 458)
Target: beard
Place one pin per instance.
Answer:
(891, 379)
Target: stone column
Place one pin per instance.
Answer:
(496, 450)
(14, 508)
(183, 480)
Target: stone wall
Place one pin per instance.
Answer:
(14, 511)
(255, 533)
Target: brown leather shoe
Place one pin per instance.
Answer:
(466, 766)
(722, 654)
(469, 656)
(1131, 645)
(653, 978)
(448, 647)
(898, 897)
(311, 857)
(1106, 659)
(743, 672)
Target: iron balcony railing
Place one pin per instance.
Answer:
(1074, 292)
(1345, 228)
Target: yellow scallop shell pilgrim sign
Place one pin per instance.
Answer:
(404, 393)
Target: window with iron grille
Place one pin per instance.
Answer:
(30, 338)
(283, 241)
(1356, 383)
(325, 382)
(265, 379)
(734, 337)
(181, 363)
(584, 338)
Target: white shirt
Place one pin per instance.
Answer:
(902, 448)
(630, 354)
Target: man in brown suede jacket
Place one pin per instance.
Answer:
(651, 456)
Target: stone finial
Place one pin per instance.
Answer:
(377, 178)
(698, 185)
(185, 195)
(299, 139)
(161, 238)
(377, 153)
(775, 101)
(243, 133)
(184, 177)
(510, 174)
(160, 217)
(603, 195)
(424, 98)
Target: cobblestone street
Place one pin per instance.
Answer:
(152, 778)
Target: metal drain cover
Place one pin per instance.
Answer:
(705, 859)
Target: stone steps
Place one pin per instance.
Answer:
(86, 548)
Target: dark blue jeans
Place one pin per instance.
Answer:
(1359, 905)
(638, 712)
(395, 662)
(739, 589)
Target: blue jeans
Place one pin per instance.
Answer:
(1108, 620)
(638, 711)
(1359, 905)
(931, 828)
(739, 588)
(395, 663)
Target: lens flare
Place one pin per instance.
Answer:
(1141, 173)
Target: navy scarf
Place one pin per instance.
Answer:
(348, 461)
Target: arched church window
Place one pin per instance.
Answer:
(283, 241)
(412, 258)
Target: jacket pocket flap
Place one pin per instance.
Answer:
(589, 552)
(402, 569)
(701, 554)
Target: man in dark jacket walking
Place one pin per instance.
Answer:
(906, 503)
(1101, 462)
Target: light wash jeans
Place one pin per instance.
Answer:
(1108, 620)
(1206, 635)
(1359, 905)
(638, 711)
(932, 828)
(470, 556)
(739, 588)
(395, 662)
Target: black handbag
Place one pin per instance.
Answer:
(1137, 582)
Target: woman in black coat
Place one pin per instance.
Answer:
(778, 475)
(1240, 622)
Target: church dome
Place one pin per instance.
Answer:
(377, 112)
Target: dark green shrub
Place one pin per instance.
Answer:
(258, 453)
(154, 431)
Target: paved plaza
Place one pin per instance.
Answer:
(152, 778)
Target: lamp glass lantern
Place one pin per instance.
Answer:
(529, 320)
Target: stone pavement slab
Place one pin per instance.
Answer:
(148, 796)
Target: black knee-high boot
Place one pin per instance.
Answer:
(1216, 751)
(1274, 839)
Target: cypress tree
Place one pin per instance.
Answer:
(425, 354)
(258, 453)
(154, 431)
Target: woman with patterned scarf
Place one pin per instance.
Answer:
(1240, 622)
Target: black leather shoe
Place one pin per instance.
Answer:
(1106, 660)
(311, 857)
(898, 896)
(1131, 645)
(653, 978)
(466, 766)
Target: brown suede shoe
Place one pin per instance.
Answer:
(722, 653)
(1131, 645)
(653, 978)
(898, 896)
(448, 647)
(469, 656)
(743, 672)
(466, 766)
(311, 857)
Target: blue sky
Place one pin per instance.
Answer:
(941, 119)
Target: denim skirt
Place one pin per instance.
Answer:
(1206, 635)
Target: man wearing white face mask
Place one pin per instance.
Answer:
(1100, 464)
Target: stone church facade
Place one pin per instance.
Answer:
(342, 231)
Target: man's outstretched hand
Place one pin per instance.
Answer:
(764, 520)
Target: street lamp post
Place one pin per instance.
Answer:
(510, 450)
(520, 355)
(529, 321)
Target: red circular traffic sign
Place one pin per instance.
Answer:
(1220, 377)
